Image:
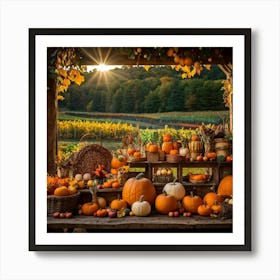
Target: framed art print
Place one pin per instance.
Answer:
(140, 139)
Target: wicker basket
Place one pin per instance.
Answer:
(62, 203)
(164, 179)
(88, 158)
(174, 158)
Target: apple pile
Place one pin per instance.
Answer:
(66, 215)
(163, 171)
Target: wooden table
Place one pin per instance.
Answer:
(153, 223)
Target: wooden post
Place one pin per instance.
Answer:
(51, 126)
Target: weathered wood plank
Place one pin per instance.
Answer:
(154, 222)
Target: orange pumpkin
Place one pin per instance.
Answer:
(204, 210)
(101, 212)
(191, 203)
(131, 151)
(166, 203)
(225, 186)
(167, 137)
(211, 198)
(194, 138)
(114, 171)
(89, 208)
(216, 208)
(118, 204)
(174, 152)
(107, 184)
(137, 154)
(167, 147)
(153, 148)
(148, 146)
(136, 186)
(61, 191)
(116, 184)
(211, 155)
(118, 162)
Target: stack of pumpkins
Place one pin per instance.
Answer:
(139, 197)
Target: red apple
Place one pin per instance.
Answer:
(112, 213)
(176, 214)
(199, 158)
(56, 214)
(68, 215)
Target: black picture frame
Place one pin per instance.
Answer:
(245, 33)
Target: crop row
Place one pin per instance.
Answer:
(77, 129)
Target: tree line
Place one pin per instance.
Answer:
(135, 90)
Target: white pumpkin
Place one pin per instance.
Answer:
(176, 189)
(87, 176)
(183, 151)
(79, 177)
(141, 208)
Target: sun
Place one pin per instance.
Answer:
(102, 67)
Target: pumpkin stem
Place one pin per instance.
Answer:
(164, 192)
(141, 199)
(140, 176)
(174, 181)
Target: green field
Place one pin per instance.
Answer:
(153, 120)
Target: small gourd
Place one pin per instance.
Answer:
(141, 208)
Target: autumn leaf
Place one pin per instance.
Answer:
(184, 75)
(192, 73)
(66, 82)
(186, 69)
(178, 67)
(62, 73)
(60, 97)
(147, 67)
(79, 79)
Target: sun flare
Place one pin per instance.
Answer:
(101, 67)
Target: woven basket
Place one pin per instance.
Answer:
(164, 179)
(62, 203)
(88, 158)
(174, 158)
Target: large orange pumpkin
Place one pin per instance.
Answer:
(167, 147)
(225, 186)
(166, 203)
(135, 187)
